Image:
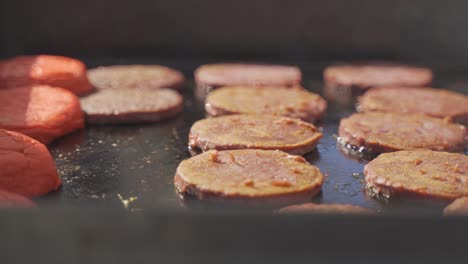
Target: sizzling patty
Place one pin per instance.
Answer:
(123, 106)
(254, 132)
(227, 74)
(429, 101)
(249, 175)
(366, 75)
(297, 103)
(135, 76)
(419, 172)
(384, 132)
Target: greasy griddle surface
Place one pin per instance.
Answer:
(132, 167)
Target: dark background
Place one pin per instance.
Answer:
(409, 30)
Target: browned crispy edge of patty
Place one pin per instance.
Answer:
(203, 145)
(407, 193)
(389, 192)
(377, 148)
(378, 190)
(461, 118)
(187, 190)
(363, 146)
(202, 90)
(214, 111)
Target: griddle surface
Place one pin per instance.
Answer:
(131, 167)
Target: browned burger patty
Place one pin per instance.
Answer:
(135, 76)
(364, 76)
(419, 172)
(228, 74)
(269, 176)
(254, 132)
(311, 208)
(428, 101)
(385, 132)
(121, 106)
(297, 103)
(457, 207)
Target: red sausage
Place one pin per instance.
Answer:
(45, 69)
(41, 112)
(27, 166)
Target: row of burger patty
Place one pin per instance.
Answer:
(264, 105)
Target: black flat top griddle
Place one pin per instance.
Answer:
(103, 167)
(132, 166)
